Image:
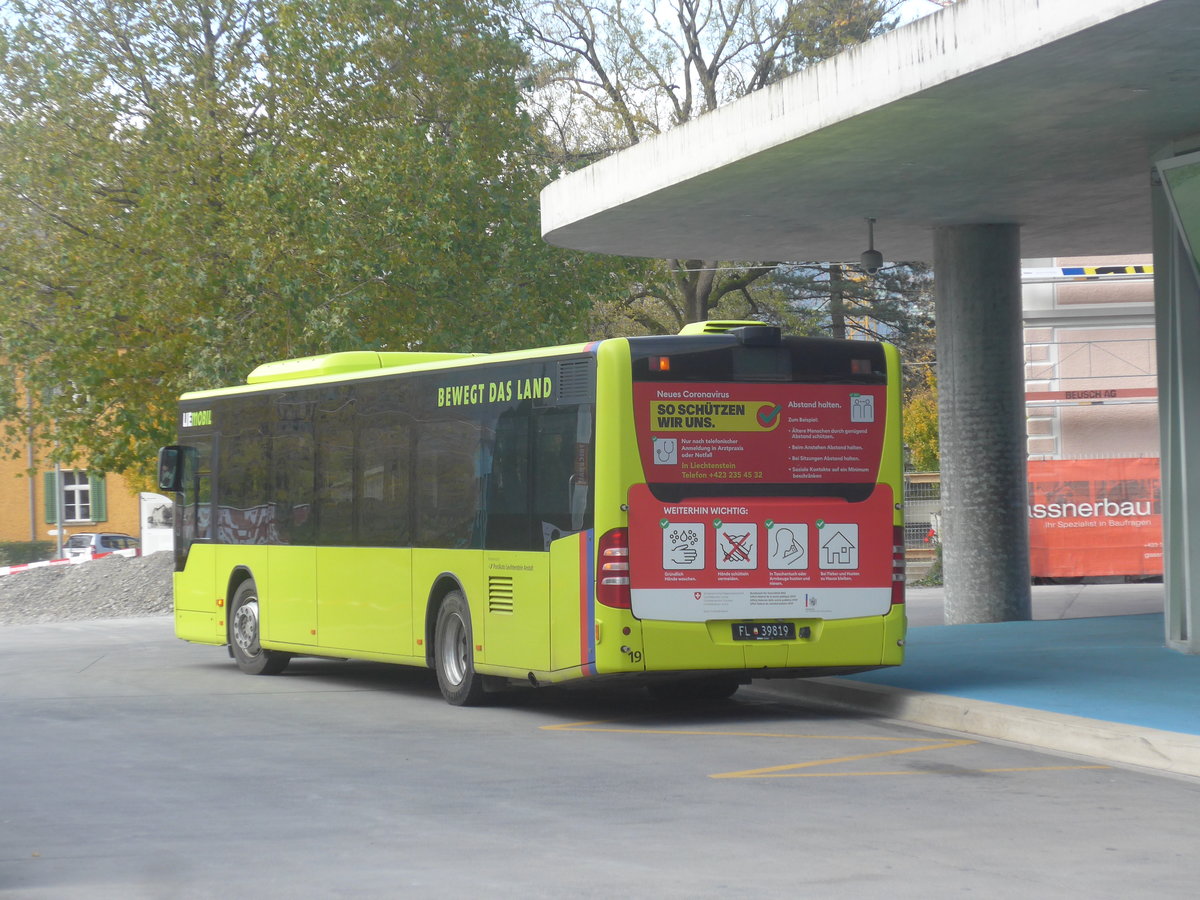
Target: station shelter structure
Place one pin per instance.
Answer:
(981, 137)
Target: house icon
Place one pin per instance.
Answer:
(839, 552)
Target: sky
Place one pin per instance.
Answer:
(915, 9)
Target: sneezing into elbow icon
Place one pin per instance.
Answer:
(787, 548)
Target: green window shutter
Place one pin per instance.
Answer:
(50, 496)
(99, 498)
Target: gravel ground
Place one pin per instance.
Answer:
(108, 588)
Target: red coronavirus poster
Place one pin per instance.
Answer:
(771, 433)
(1095, 517)
(766, 554)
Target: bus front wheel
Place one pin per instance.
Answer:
(244, 635)
(453, 655)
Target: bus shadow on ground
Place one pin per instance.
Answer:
(608, 700)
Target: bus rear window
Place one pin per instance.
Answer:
(722, 358)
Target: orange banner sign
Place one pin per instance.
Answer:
(1095, 517)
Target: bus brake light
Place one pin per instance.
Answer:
(612, 586)
(898, 577)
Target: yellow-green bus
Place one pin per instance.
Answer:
(692, 510)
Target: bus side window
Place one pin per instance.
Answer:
(292, 466)
(384, 437)
(448, 482)
(333, 495)
(195, 500)
(510, 523)
(243, 513)
(561, 466)
(204, 495)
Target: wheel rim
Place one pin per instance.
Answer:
(453, 650)
(245, 628)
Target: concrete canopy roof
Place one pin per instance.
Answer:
(1045, 113)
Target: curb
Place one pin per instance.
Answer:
(70, 561)
(1107, 742)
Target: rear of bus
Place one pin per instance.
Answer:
(748, 506)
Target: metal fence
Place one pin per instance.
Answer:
(922, 506)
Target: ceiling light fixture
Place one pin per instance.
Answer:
(871, 259)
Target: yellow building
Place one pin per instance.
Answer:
(89, 502)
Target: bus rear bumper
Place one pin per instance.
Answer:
(831, 646)
(680, 650)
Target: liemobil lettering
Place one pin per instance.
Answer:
(495, 392)
(197, 418)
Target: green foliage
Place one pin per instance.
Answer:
(921, 425)
(606, 75)
(895, 305)
(14, 553)
(191, 188)
(654, 303)
(609, 73)
(932, 578)
(825, 28)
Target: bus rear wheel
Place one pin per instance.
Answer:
(244, 635)
(453, 653)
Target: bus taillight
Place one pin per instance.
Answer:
(612, 586)
(898, 565)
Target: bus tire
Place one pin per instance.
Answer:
(453, 653)
(244, 634)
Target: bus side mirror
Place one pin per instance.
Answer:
(172, 463)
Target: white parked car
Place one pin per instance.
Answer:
(93, 545)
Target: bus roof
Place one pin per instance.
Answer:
(331, 368)
(342, 364)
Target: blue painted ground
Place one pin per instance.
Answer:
(1113, 668)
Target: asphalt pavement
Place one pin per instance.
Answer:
(134, 766)
(1089, 676)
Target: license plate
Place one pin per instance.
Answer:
(764, 631)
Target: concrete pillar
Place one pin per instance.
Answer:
(981, 408)
(1177, 304)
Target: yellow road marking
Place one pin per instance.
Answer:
(915, 772)
(788, 770)
(604, 727)
(608, 726)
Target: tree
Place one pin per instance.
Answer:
(895, 305)
(188, 189)
(921, 423)
(650, 307)
(608, 74)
